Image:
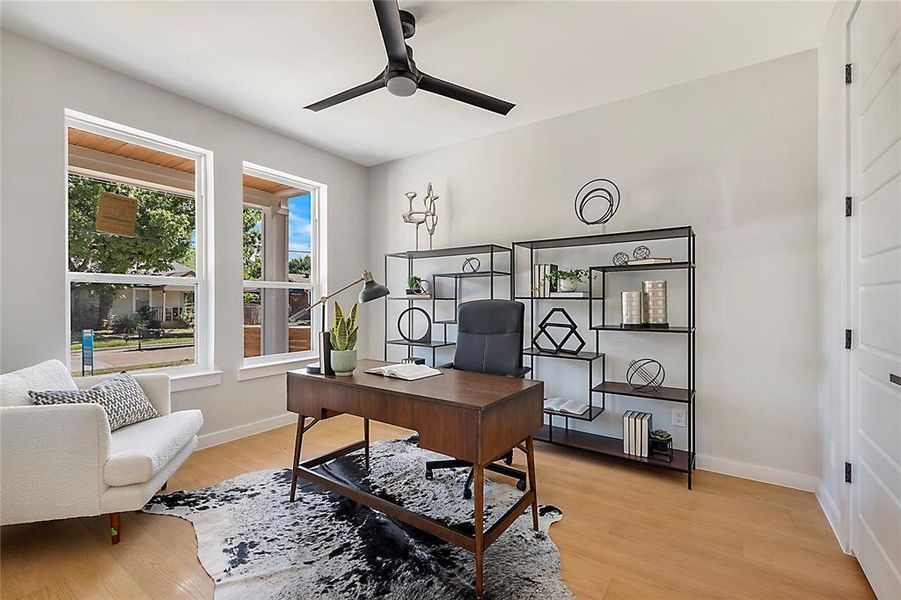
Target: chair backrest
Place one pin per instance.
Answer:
(489, 336)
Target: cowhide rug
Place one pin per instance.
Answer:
(254, 543)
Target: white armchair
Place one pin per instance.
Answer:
(61, 461)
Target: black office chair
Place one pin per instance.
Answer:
(489, 340)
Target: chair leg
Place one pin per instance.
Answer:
(115, 526)
(467, 488)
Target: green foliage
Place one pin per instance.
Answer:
(414, 282)
(344, 331)
(299, 266)
(251, 298)
(163, 230)
(576, 275)
(186, 314)
(127, 324)
(145, 315)
(661, 435)
(253, 243)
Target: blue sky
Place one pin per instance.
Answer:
(299, 225)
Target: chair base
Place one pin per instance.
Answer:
(516, 474)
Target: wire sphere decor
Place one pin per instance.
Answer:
(408, 336)
(641, 253)
(600, 190)
(471, 265)
(645, 374)
(620, 259)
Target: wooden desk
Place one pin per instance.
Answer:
(469, 416)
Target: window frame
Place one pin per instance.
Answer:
(202, 281)
(264, 363)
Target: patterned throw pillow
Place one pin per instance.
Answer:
(121, 397)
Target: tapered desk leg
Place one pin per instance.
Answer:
(298, 442)
(478, 503)
(530, 458)
(366, 439)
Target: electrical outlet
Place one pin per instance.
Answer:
(679, 417)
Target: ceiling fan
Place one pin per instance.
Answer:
(401, 76)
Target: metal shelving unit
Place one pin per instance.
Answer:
(494, 252)
(683, 459)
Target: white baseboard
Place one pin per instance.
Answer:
(833, 514)
(798, 481)
(227, 435)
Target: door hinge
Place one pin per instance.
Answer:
(848, 74)
(847, 472)
(848, 206)
(848, 339)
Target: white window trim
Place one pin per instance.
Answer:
(275, 364)
(204, 321)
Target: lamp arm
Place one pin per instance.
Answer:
(325, 298)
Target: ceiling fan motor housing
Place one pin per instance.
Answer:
(401, 84)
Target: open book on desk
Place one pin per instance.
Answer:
(406, 371)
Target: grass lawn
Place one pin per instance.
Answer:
(174, 363)
(113, 340)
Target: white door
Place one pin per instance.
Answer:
(875, 244)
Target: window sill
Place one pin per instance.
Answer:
(276, 365)
(196, 380)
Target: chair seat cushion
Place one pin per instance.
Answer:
(140, 451)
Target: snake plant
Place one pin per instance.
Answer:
(344, 331)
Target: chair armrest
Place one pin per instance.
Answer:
(155, 385)
(51, 461)
(520, 372)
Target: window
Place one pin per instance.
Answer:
(281, 262)
(136, 250)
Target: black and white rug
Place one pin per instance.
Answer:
(254, 543)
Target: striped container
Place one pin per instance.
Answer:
(632, 309)
(653, 310)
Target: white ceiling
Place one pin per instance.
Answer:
(263, 61)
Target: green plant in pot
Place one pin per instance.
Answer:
(414, 284)
(567, 281)
(344, 340)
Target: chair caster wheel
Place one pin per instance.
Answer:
(521, 485)
(467, 494)
(508, 460)
(428, 474)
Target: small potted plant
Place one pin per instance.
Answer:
(567, 281)
(414, 285)
(344, 340)
(661, 444)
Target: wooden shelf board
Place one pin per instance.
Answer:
(670, 394)
(641, 329)
(608, 446)
(654, 267)
(563, 355)
(609, 238)
(432, 344)
(457, 251)
(590, 414)
(466, 274)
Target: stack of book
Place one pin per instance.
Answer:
(636, 427)
(543, 287)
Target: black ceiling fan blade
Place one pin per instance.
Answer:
(457, 92)
(388, 14)
(365, 88)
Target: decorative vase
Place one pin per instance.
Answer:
(654, 303)
(567, 285)
(632, 309)
(344, 362)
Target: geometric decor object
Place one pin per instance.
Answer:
(471, 265)
(645, 374)
(620, 259)
(571, 333)
(426, 337)
(641, 253)
(428, 214)
(601, 191)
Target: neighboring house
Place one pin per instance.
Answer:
(164, 301)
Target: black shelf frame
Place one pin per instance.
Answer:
(494, 252)
(683, 459)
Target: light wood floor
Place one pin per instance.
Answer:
(626, 533)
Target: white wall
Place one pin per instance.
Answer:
(832, 269)
(735, 157)
(38, 83)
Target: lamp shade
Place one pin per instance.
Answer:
(372, 290)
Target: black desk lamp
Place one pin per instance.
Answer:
(372, 290)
